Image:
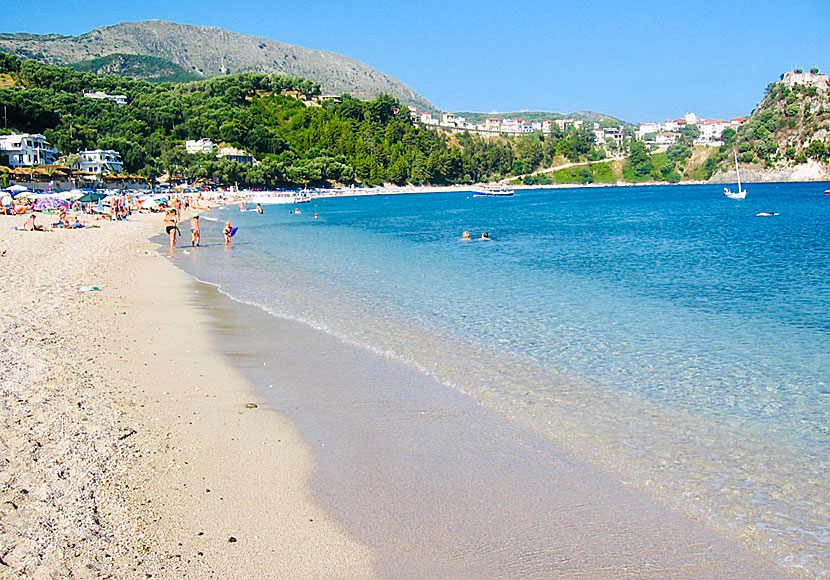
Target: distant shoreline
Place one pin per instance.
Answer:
(469, 188)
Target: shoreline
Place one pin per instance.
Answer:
(123, 413)
(423, 189)
(403, 458)
(129, 447)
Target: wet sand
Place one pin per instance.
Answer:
(440, 487)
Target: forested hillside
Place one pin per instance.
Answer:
(137, 67)
(367, 142)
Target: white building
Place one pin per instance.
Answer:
(101, 161)
(194, 146)
(492, 124)
(711, 130)
(118, 99)
(667, 138)
(448, 119)
(25, 149)
(511, 126)
(647, 129)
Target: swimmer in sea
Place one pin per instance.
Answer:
(485, 236)
(465, 237)
(259, 208)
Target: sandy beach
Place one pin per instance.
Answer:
(129, 450)
(132, 448)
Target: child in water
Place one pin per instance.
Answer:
(227, 232)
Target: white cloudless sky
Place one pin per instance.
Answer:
(639, 60)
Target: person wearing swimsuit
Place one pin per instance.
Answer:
(171, 220)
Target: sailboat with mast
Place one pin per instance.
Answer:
(741, 193)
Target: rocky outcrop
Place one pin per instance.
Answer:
(755, 173)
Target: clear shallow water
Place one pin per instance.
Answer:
(667, 334)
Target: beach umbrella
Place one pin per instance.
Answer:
(48, 203)
(92, 196)
(146, 202)
(71, 195)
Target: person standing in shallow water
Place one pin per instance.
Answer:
(195, 234)
(171, 226)
(227, 232)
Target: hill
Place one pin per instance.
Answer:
(209, 52)
(295, 138)
(787, 137)
(137, 67)
(538, 116)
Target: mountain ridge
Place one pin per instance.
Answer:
(210, 51)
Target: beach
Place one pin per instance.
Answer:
(129, 449)
(139, 438)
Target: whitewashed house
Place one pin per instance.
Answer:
(26, 149)
(511, 126)
(194, 146)
(101, 95)
(667, 138)
(448, 120)
(100, 161)
(492, 124)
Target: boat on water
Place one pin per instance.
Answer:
(492, 191)
(741, 193)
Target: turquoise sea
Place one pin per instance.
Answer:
(664, 334)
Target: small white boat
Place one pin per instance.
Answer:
(492, 191)
(740, 194)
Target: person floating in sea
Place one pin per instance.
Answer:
(259, 208)
(228, 233)
(171, 226)
(242, 206)
(195, 234)
(465, 237)
(485, 236)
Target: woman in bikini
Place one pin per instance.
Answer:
(171, 221)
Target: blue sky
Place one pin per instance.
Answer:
(638, 60)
